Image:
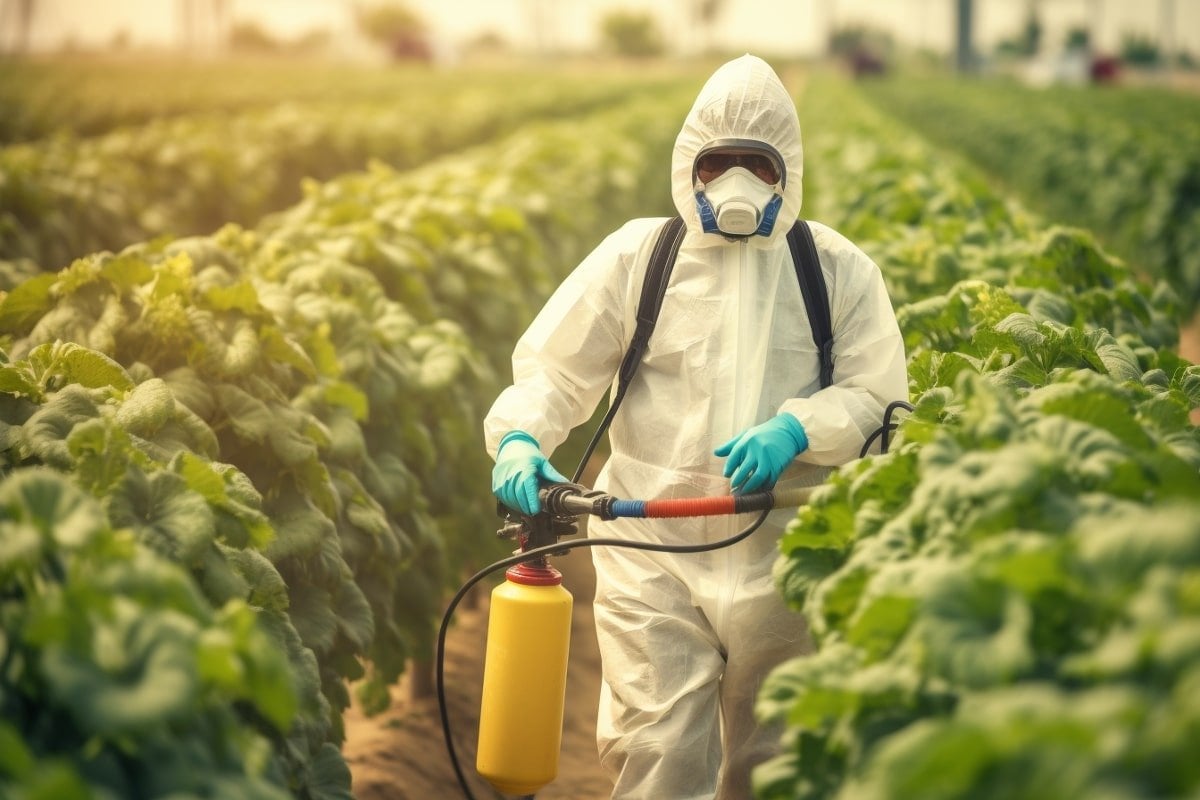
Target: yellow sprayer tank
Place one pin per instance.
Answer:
(524, 680)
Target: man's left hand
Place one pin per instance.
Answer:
(757, 456)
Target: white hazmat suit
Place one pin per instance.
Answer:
(686, 640)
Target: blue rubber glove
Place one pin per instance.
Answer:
(520, 468)
(758, 456)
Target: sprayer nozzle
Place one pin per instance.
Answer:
(563, 499)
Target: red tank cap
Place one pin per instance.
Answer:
(534, 575)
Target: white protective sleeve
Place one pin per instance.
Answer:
(566, 359)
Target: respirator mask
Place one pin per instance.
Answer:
(738, 187)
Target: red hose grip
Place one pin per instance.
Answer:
(691, 507)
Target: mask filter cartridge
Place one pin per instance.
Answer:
(737, 202)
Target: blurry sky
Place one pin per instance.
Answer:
(767, 26)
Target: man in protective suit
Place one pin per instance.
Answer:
(727, 397)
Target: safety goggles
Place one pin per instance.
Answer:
(759, 159)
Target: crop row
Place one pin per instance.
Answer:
(280, 426)
(1122, 163)
(89, 96)
(1004, 604)
(63, 197)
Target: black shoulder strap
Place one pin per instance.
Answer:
(816, 297)
(654, 288)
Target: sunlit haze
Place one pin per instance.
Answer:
(769, 26)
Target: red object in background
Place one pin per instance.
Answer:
(1105, 69)
(411, 48)
(863, 62)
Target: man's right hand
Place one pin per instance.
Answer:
(520, 468)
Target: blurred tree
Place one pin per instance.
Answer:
(247, 37)
(866, 50)
(1029, 41)
(1031, 36)
(1078, 38)
(250, 37)
(850, 39)
(630, 33)
(1139, 50)
(398, 28)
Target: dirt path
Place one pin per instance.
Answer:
(401, 754)
(1189, 341)
(1189, 348)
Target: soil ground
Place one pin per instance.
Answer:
(1189, 348)
(1189, 341)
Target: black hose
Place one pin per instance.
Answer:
(883, 430)
(539, 552)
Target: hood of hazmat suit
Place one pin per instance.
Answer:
(743, 101)
(684, 635)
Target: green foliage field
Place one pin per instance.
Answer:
(64, 196)
(1123, 162)
(250, 328)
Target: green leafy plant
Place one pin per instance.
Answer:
(120, 679)
(991, 599)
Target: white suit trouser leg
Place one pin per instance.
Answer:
(681, 670)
